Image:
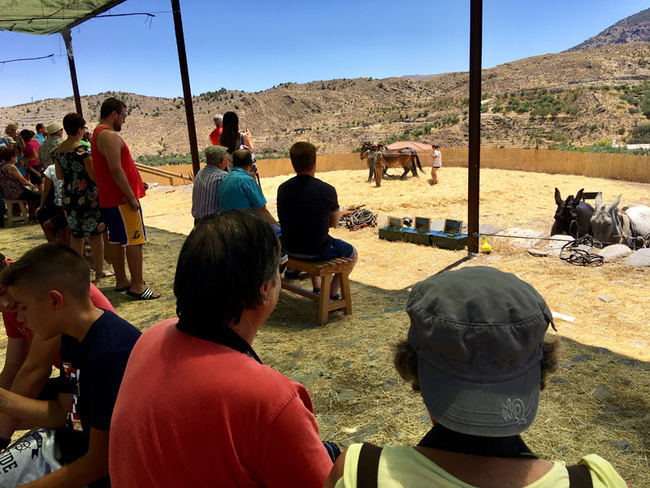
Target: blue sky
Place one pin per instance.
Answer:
(254, 45)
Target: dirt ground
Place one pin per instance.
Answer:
(597, 401)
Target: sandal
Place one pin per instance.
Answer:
(316, 290)
(104, 274)
(122, 288)
(147, 294)
(335, 298)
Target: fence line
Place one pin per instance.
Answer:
(597, 165)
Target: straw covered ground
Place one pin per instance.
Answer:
(597, 401)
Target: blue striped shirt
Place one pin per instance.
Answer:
(205, 194)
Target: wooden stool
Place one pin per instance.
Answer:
(11, 218)
(340, 267)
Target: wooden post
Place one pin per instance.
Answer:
(185, 78)
(474, 156)
(65, 33)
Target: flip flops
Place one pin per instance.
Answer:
(147, 294)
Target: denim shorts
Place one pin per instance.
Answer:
(335, 249)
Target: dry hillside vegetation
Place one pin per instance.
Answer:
(575, 97)
(634, 28)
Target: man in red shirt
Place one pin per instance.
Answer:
(196, 405)
(119, 189)
(215, 135)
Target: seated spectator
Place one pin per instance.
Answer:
(14, 185)
(215, 135)
(11, 132)
(307, 208)
(47, 150)
(243, 424)
(239, 190)
(41, 134)
(30, 155)
(476, 353)
(205, 190)
(29, 358)
(50, 286)
(50, 212)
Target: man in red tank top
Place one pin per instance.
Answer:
(119, 188)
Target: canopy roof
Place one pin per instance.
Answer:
(49, 16)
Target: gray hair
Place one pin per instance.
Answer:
(218, 118)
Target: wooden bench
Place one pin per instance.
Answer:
(340, 267)
(11, 218)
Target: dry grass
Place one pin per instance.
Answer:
(599, 395)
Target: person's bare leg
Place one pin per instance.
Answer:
(434, 176)
(49, 231)
(77, 244)
(336, 283)
(315, 281)
(134, 260)
(117, 256)
(97, 249)
(107, 249)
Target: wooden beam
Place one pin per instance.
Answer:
(65, 33)
(185, 78)
(474, 156)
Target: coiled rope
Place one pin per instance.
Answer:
(358, 219)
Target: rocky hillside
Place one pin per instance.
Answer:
(576, 97)
(635, 28)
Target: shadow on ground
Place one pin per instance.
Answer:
(597, 401)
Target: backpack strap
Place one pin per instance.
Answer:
(579, 476)
(367, 465)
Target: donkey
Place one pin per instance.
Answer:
(572, 215)
(631, 226)
(407, 158)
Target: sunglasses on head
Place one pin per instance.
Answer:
(283, 263)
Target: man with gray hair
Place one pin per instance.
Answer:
(205, 190)
(216, 133)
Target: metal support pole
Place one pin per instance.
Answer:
(474, 157)
(65, 33)
(185, 78)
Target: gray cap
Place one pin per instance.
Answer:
(478, 333)
(214, 154)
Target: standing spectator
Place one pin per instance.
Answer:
(74, 166)
(239, 190)
(50, 212)
(243, 424)
(41, 134)
(47, 150)
(30, 155)
(307, 208)
(476, 352)
(437, 164)
(120, 188)
(205, 190)
(215, 135)
(14, 185)
(232, 138)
